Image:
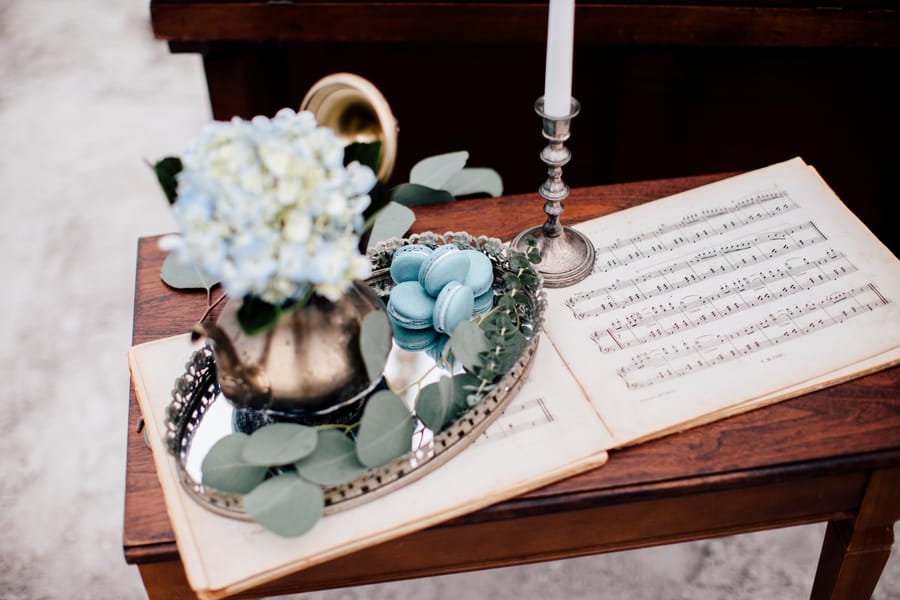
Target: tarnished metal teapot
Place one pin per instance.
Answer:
(310, 363)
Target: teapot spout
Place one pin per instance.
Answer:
(245, 385)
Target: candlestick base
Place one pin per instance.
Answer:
(566, 259)
(567, 256)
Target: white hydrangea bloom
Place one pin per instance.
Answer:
(268, 208)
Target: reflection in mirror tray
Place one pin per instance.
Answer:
(199, 414)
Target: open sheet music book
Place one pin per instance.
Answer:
(701, 305)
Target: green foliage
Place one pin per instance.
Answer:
(385, 430)
(375, 342)
(414, 194)
(449, 172)
(184, 276)
(467, 343)
(279, 444)
(256, 315)
(441, 403)
(368, 154)
(225, 469)
(166, 170)
(286, 504)
(334, 460)
(393, 220)
(475, 181)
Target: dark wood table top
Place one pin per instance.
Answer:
(836, 434)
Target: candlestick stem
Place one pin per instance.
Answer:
(567, 256)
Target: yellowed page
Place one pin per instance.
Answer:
(549, 432)
(742, 290)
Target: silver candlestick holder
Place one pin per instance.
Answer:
(567, 255)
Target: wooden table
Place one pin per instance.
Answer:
(833, 456)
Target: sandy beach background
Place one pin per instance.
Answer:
(86, 96)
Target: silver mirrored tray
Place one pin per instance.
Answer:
(199, 414)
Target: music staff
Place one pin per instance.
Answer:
(725, 259)
(693, 228)
(675, 360)
(668, 318)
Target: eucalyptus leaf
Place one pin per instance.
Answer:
(467, 342)
(393, 220)
(255, 315)
(285, 504)
(441, 403)
(506, 343)
(279, 444)
(475, 180)
(414, 194)
(385, 430)
(436, 171)
(334, 460)
(367, 153)
(375, 342)
(184, 276)
(166, 170)
(433, 405)
(224, 468)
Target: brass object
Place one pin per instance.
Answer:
(354, 108)
(567, 255)
(309, 364)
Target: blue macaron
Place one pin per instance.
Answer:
(410, 306)
(484, 303)
(481, 272)
(447, 263)
(407, 260)
(452, 306)
(413, 340)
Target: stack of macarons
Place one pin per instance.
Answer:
(436, 289)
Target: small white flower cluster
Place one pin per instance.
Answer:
(268, 208)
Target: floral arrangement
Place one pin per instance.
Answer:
(275, 210)
(268, 208)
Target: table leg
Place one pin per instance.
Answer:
(166, 581)
(855, 550)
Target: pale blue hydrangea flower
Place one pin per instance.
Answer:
(267, 207)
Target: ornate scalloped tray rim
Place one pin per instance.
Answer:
(196, 390)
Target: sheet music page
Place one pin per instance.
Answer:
(548, 432)
(723, 294)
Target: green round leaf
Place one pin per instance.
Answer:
(467, 342)
(440, 404)
(166, 170)
(413, 194)
(393, 220)
(223, 467)
(286, 504)
(475, 181)
(279, 444)
(375, 342)
(385, 431)
(184, 276)
(433, 405)
(435, 171)
(333, 462)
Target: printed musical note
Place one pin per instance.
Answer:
(701, 266)
(652, 323)
(649, 367)
(525, 414)
(693, 228)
